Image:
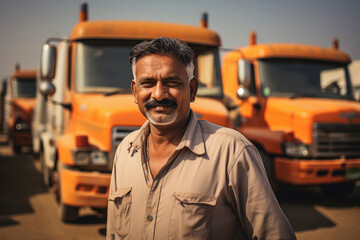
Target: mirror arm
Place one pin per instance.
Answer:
(67, 106)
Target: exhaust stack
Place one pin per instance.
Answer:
(204, 20)
(252, 39)
(17, 67)
(83, 14)
(336, 43)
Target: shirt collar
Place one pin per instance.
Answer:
(192, 138)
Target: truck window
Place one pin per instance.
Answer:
(333, 81)
(207, 67)
(304, 78)
(102, 67)
(23, 88)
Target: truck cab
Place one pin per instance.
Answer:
(297, 106)
(90, 107)
(19, 107)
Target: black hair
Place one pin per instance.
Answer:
(162, 46)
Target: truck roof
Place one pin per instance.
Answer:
(140, 30)
(285, 50)
(26, 73)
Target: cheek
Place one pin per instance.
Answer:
(143, 95)
(183, 97)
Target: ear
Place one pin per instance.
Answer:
(133, 89)
(193, 89)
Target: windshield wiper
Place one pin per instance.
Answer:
(304, 95)
(120, 90)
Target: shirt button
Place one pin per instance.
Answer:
(149, 218)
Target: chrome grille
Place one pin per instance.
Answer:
(118, 134)
(336, 140)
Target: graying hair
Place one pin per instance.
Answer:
(164, 46)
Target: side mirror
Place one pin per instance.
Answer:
(47, 88)
(244, 77)
(244, 73)
(243, 93)
(48, 62)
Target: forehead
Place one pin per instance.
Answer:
(155, 62)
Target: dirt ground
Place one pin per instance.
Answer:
(29, 211)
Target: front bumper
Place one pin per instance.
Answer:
(314, 172)
(84, 189)
(22, 138)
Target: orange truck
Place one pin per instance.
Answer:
(90, 108)
(295, 103)
(20, 99)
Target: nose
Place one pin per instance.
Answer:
(160, 91)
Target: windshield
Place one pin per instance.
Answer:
(207, 71)
(304, 78)
(24, 88)
(103, 67)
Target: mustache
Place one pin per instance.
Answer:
(163, 103)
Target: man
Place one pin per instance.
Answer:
(180, 178)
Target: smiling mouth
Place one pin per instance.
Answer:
(160, 108)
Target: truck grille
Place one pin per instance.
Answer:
(118, 134)
(336, 140)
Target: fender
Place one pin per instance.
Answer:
(37, 131)
(49, 149)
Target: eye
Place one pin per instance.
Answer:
(173, 82)
(147, 83)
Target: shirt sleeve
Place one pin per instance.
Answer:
(110, 228)
(253, 199)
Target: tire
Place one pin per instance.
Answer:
(46, 172)
(337, 190)
(16, 149)
(270, 171)
(68, 213)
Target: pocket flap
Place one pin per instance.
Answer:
(120, 193)
(195, 198)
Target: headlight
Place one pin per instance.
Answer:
(90, 158)
(81, 158)
(98, 158)
(22, 126)
(297, 149)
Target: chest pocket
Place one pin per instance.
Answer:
(191, 216)
(120, 205)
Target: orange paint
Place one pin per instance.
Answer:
(268, 121)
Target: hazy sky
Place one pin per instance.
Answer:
(26, 24)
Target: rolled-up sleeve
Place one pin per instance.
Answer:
(253, 199)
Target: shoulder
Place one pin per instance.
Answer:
(228, 145)
(222, 134)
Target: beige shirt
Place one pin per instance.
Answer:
(214, 186)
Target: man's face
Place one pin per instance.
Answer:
(162, 90)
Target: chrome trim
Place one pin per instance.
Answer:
(117, 135)
(336, 140)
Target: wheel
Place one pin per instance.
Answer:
(338, 190)
(68, 213)
(270, 171)
(16, 149)
(46, 172)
